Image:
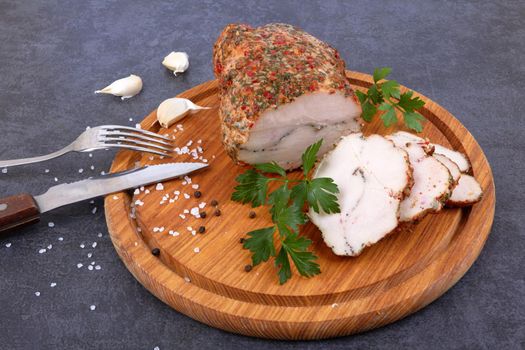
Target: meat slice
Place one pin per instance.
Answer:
(459, 158)
(451, 166)
(432, 181)
(373, 176)
(467, 192)
(280, 90)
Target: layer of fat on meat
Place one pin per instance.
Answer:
(372, 175)
(467, 192)
(432, 182)
(282, 134)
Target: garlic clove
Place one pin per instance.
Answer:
(125, 87)
(174, 109)
(178, 62)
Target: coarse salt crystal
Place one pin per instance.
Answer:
(159, 187)
(199, 141)
(139, 202)
(155, 229)
(99, 234)
(205, 160)
(82, 246)
(46, 171)
(172, 200)
(202, 205)
(81, 170)
(41, 251)
(94, 245)
(102, 172)
(176, 193)
(195, 211)
(90, 267)
(93, 263)
(92, 167)
(161, 229)
(37, 294)
(190, 142)
(142, 188)
(60, 238)
(56, 179)
(94, 210)
(186, 211)
(89, 255)
(196, 249)
(187, 178)
(147, 191)
(156, 348)
(97, 267)
(91, 155)
(115, 197)
(53, 284)
(182, 216)
(79, 265)
(187, 279)
(184, 183)
(49, 246)
(187, 196)
(193, 233)
(138, 126)
(136, 191)
(195, 187)
(51, 224)
(92, 307)
(4, 171)
(189, 228)
(7, 245)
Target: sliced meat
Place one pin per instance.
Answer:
(467, 192)
(457, 157)
(372, 175)
(280, 90)
(432, 181)
(451, 166)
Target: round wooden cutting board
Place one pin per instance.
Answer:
(203, 276)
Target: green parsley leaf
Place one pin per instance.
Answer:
(361, 96)
(390, 88)
(380, 96)
(272, 168)
(310, 155)
(283, 263)
(296, 246)
(321, 193)
(298, 194)
(252, 188)
(260, 244)
(369, 110)
(408, 103)
(381, 73)
(389, 117)
(413, 121)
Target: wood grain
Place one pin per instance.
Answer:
(390, 280)
(18, 210)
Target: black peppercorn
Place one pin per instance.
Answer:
(214, 203)
(155, 251)
(202, 229)
(202, 214)
(217, 212)
(248, 268)
(252, 214)
(241, 241)
(197, 194)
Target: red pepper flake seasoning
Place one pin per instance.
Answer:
(262, 68)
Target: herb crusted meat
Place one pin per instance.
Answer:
(281, 90)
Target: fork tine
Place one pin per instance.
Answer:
(112, 140)
(134, 135)
(140, 131)
(135, 148)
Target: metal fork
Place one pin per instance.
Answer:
(103, 137)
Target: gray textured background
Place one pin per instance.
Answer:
(467, 56)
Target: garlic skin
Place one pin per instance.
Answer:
(125, 87)
(178, 62)
(174, 109)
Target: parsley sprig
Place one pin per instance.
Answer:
(286, 208)
(381, 95)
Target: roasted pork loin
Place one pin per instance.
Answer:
(280, 90)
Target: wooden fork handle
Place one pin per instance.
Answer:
(18, 210)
